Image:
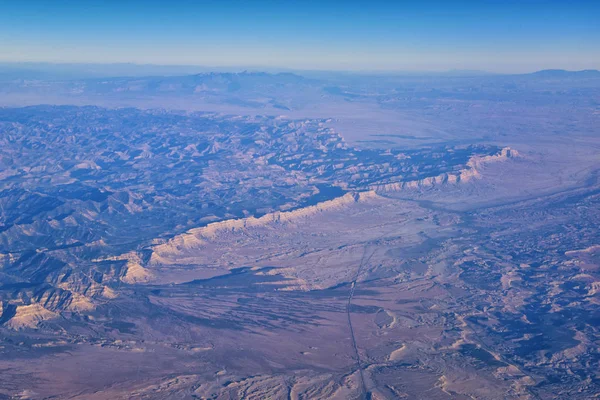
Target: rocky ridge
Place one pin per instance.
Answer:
(472, 170)
(163, 253)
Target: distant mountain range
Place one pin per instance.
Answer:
(561, 73)
(56, 72)
(278, 92)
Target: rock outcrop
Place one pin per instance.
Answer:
(197, 236)
(132, 272)
(470, 171)
(29, 316)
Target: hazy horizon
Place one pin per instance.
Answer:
(185, 69)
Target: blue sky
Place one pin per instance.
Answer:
(493, 35)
